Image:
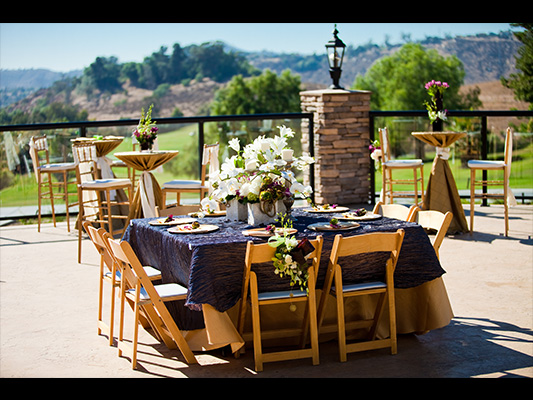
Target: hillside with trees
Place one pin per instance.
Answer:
(185, 81)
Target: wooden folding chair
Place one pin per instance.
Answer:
(109, 274)
(263, 253)
(489, 165)
(44, 170)
(210, 157)
(176, 210)
(390, 242)
(437, 221)
(397, 211)
(95, 195)
(138, 288)
(388, 165)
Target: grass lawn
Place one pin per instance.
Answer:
(24, 190)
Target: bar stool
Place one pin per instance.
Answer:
(44, 170)
(388, 165)
(489, 165)
(96, 196)
(210, 156)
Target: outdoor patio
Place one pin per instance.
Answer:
(48, 313)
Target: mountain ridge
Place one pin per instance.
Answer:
(486, 57)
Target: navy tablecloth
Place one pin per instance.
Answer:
(211, 264)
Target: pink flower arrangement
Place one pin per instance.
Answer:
(146, 131)
(435, 108)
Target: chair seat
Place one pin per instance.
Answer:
(165, 291)
(282, 294)
(178, 184)
(486, 164)
(361, 286)
(403, 163)
(57, 167)
(150, 271)
(105, 183)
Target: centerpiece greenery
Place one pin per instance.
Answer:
(146, 131)
(289, 258)
(435, 107)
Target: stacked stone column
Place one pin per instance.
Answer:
(341, 140)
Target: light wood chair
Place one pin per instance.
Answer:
(435, 220)
(95, 196)
(388, 165)
(210, 157)
(44, 170)
(487, 165)
(110, 274)
(334, 285)
(397, 211)
(263, 253)
(138, 288)
(176, 210)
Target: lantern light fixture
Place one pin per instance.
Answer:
(335, 48)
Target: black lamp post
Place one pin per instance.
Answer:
(335, 48)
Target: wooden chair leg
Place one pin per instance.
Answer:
(39, 194)
(341, 326)
(311, 301)
(65, 197)
(51, 189)
(472, 198)
(258, 353)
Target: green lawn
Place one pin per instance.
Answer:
(24, 190)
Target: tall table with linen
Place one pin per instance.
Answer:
(211, 266)
(148, 193)
(442, 194)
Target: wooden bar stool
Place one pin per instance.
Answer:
(44, 170)
(96, 196)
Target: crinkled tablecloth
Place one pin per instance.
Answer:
(211, 264)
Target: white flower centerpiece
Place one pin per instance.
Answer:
(255, 182)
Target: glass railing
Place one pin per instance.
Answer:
(485, 129)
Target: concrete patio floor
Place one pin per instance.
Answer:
(48, 310)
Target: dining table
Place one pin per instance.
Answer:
(148, 193)
(211, 264)
(441, 193)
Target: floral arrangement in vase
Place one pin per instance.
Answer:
(146, 131)
(435, 107)
(261, 173)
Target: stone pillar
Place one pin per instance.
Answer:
(341, 140)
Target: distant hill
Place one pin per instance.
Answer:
(32, 78)
(486, 57)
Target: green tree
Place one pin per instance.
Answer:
(522, 82)
(103, 74)
(266, 93)
(397, 81)
(211, 60)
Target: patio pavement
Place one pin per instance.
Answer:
(48, 309)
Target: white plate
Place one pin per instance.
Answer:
(326, 210)
(207, 215)
(175, 221)
(325, 226)
(351, 216)
(188, 229)
(262, 232)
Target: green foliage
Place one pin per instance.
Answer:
(522, 82)
(266, 93)
(397, 81)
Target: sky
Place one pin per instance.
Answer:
(63, 47)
